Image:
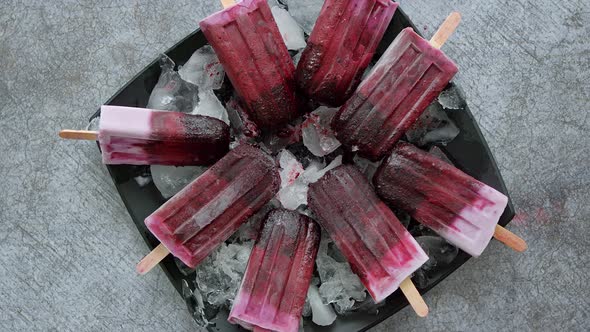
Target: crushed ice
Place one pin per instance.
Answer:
(290, 31)
(209, 105)
(440, 254)
(203, 69)
(339, 285)
(452, 98)
(171, 179)
(322, 313)
(220, 274)
(242, 126)
(317, 134)
(291, 168)
(295, 194)
(172, 93)
(305, 12)
(367, 167)
(433, 127)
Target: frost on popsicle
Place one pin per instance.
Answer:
(290, 31)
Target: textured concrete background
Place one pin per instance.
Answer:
(68, 248)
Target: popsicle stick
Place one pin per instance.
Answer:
(152, 259)
(79, 134)
(510, 239)
(446, 30)
(414, 297)
(227, 3)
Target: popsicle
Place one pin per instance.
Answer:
(212, 207)
(279, 271)
(406, 79)
(340, 47)
(459, 208)
(140, 136)
(378, 247)
(256, 60)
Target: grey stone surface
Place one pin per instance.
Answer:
(68, 247)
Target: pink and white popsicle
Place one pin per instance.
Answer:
(459, 208)
(379, 249)
(140, 136)
(274, 287)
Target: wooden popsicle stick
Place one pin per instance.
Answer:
(446, 30)
(79, 134)
(227, 3)
(510, 239)
(152, 259)
(414, 297)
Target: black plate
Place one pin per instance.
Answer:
(469, 151)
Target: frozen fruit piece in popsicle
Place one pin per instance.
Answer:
(406, 79)
(255, 58)
(140, 136)
(459, 208)
(341, 46)
(278, 275)
(212, 207)
(377, 246)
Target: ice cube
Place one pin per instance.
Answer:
(312, 174)
(240, 123)
(220, 274)
(452, 98)
(276, 141)
(367, 167)
(171, 179)
(323, 314)
(291, 197)
(172, 93)
(368, 306)
(203, 69)
(305, 12)
(143, 180)
(297, 57)
(295, 195)
(209, 105)
(289, 29)
(433, 126)
(440, 254)
(249, 230)
(194, 302)
(290, 168)
(339, 285)
(317, 134)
